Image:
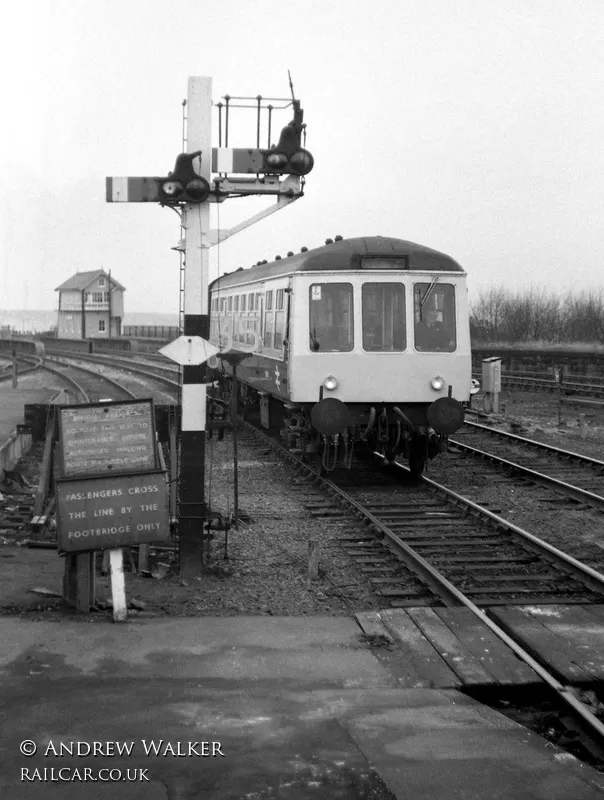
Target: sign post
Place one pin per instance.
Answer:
(110, 493)
(559, 379)
(196, 222)
(191, 188)
(118, 585)
(15, 381)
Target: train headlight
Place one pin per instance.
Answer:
(330, 383)
(437, 383)
(474, 386)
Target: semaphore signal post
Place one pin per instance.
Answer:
(201, 176)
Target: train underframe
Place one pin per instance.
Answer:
(393, 431)
(330, 433)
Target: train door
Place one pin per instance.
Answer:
(288, 326)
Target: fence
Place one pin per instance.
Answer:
(17, 445)
(168, 332)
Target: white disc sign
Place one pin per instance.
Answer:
(189, 350)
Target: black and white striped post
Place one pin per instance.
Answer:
(196, 221)
(287, 160)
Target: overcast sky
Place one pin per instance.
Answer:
(475, 127)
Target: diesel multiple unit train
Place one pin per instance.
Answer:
(361, 344)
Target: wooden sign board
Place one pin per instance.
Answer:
(107, 437)
(106, 513)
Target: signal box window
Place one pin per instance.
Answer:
(384, 328)
(101, 326)
(331, 318)
(434, 316)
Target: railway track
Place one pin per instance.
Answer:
(143, 365)
(88, 383)
(153, 373)
(24, 365)
(427, 527)
(460, 554)
(570, 474)
(589, 387)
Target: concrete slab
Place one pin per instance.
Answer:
(464, 751)
(300, 709)
(255, 648)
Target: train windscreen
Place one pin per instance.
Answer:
(434, 316)
(331, 318)
(384, 328)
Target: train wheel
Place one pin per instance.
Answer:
(417, 455)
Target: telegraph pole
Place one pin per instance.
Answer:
(196, 220)
(191, 188)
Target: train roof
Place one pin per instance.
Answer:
(346, 254)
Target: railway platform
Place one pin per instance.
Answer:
(296, 708)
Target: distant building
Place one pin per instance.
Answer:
(91, 306)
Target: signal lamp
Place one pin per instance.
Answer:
(197, 190)
(172, 190)
(184, 185)
(301, 162)
(276, 161)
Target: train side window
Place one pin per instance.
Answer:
(434, 317)
(269, 300)
(237, 302)
(258, 296)
(331, 317)
(230, 303)
(384, 328)
(268, 330)
(279, 320)
(242, 304)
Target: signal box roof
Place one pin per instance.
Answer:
(81, 280)
(346, 255)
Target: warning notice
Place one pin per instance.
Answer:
(117, 437)
(110, 512)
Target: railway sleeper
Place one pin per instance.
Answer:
(520, 577)
(561, 594)
(487, 542)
